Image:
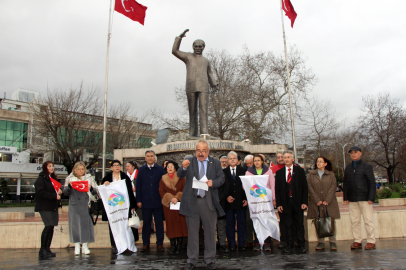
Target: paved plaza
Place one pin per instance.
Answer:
(390, 254)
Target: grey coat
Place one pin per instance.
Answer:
(215, 173)
(81, 228)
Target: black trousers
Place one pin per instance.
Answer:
(292, 221)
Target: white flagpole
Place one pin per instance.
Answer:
(290, 92)
(105, 93)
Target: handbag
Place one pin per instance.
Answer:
(134, 221)
(325, 227)
(95, 207)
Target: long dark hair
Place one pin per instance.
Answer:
(45, 169)
(329, 165)
(134, 164)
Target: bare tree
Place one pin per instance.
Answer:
(263, 90)
(72, 121)
(384, 122)
(318, 123)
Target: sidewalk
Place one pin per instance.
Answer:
(390, 254)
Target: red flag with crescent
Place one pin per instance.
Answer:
(132, 9)
(289, 11)
(56, 184)
(82, 186)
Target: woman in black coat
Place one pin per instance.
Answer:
(46, 203)
(117, 175)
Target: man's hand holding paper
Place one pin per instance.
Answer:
(201, 184)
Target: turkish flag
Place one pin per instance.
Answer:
(82, 186)
(56, 184)
(289, 11)
(131, 9)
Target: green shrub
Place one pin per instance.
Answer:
(403, 193)
(385, 193)
(397, 187)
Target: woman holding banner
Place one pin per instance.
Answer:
(47, 196)
(171, 190)
(132, 171)
(117, 175)
(322, 185)
(259, 168)
(81, 189)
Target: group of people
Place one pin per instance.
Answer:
(155, 192)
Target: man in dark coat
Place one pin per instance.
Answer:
(201, 205)
(149, 200)
(236, 204)
(359, 193)
(221, 221)
(291, 193)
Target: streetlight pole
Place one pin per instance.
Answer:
(343, 154)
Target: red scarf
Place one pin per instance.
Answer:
(55, 183)
(171, 175)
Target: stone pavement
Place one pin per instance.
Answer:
(389, 255)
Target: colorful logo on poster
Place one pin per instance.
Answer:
(258, 191)
(116, 198)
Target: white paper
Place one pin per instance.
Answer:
(175, 206)
(200, 184)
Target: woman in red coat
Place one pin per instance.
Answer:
(171, 190)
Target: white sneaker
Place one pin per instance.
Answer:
(77, 248)
(85, 249)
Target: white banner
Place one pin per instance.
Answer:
(261, 208)
(116, 203)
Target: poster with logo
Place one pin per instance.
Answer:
(260, 205)
(116, 203)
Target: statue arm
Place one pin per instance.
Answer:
(212, 81)
(175, 49)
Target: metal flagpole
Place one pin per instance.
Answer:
(290, 92)
(105, 93)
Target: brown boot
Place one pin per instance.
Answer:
(370, 246)
(356, 245)
(160, 248)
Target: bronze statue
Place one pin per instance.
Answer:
(198, 78)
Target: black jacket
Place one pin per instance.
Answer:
(235, 188)
(223, 194)
(123, 176)
(298, 186)
(359, 183)
(45, 194)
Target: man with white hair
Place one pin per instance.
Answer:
(236, 204)
(249, 161)
(224, 162)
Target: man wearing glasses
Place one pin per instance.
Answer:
(201, 205)
(149, 200)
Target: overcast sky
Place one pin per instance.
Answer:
(353, 47)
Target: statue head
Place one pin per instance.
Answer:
(198, 46)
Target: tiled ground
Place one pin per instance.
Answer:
(390, 254)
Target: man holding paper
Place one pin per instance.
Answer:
(201, 202)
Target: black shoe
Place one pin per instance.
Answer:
(189, 266)
(282, 245)
(49, 241)
(287, 250)
(224, 249)
(212, 265)
(43, 253)
(232, 248)
(302, 250)
(257, 247)
(242, 248)
(114, 250)
(50, 253)
(173, 246)
(179, 245)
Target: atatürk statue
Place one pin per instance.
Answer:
(198, 77)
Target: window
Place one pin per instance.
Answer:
(13, 134)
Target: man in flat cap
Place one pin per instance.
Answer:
(359, 193)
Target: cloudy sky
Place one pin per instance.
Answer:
(353, 47)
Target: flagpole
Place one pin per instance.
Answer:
(290, 92)
(105, 93)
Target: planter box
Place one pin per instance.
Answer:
(392, 202)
